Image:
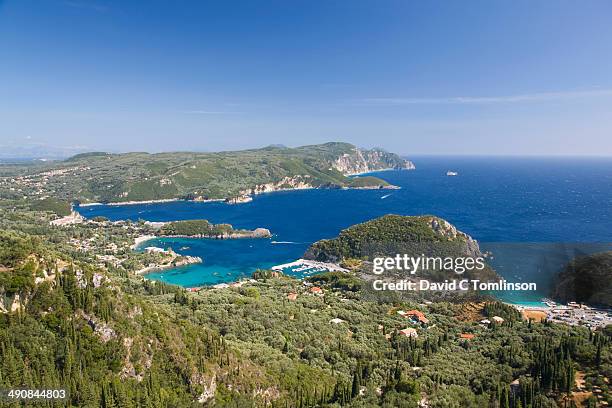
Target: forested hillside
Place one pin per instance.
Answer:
(94, 177)
(391, 234)
(74, 318)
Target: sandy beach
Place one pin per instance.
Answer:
(143, 238)
(166, 200)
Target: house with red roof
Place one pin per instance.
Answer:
(417, 316)
(409, 332)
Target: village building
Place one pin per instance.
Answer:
(409, 332)
(417, 316)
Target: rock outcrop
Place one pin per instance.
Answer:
(363, 161)
(299, 182)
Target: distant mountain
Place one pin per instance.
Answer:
(36, 151)
(587, 279)
(234, 176)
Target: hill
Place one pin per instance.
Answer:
(586, 279)
(103, 177)
(395, 234)
(74, 315)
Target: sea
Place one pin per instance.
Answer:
(531, 214)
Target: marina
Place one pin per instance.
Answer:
(307, 267)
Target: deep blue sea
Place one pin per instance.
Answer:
(533, 214)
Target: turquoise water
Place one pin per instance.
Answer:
(532, 213)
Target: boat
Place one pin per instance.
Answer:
(452, 173)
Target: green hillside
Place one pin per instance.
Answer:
(395, 234)
(94, 177)
(114, 339)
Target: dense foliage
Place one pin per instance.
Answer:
(389, 235)
(195, 228)
(142, 176)
(58, 207)
(114, 339)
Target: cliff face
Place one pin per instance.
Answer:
(364, 161)
(287, 183)
(586, 279)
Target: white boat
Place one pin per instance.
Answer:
(452, 173)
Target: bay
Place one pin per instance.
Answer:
(533, 214)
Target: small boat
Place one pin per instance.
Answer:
(452, 173)
(184, 248)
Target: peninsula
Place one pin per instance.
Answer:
(230, 176)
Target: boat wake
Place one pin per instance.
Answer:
(385, 196)
(285, 242)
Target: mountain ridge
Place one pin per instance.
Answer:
(232, 175)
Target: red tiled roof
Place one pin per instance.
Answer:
(418, 314)
(409, 332)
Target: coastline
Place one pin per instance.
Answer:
(141, 239)
(187, 260)
(255, 234)
(163, 200)
(248, 234)
(362, 173)
(377, 171)
(89, 204)
(241, 199)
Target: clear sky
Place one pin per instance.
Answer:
(414, 77)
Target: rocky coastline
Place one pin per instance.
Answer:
(236, 234)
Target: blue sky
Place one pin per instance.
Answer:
(415, 77)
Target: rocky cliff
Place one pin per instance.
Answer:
(363, 161)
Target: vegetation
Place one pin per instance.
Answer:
(74, 315)
(141, 176)
(195, 228)
(395, 234)
(58, 207)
